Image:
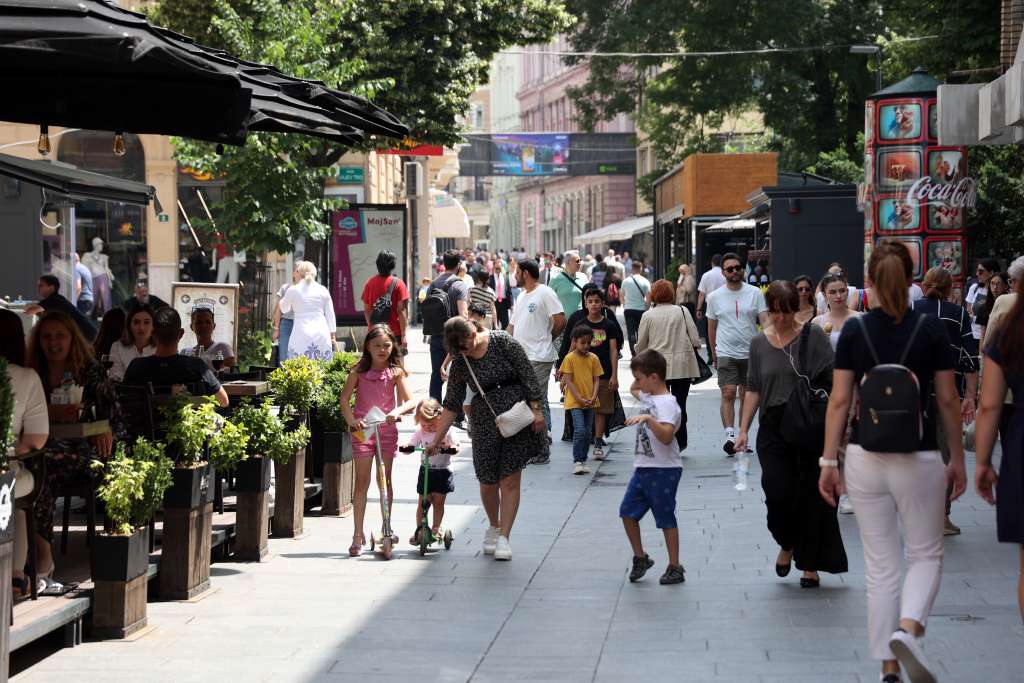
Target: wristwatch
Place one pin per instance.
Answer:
(825, 462)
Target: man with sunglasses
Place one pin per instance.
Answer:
(734, 312)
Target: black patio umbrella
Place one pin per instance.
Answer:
(70, 181)
(92, 64)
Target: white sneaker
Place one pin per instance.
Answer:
(908, 651)
(598, 453)
(504, 550)
(580, 468)
(845, 506)
(491, 539)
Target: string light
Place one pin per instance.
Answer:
(120, 149)
(43, 146)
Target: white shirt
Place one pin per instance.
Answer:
(649, 450)
(30, 414)
(736, 313)
(635, 289)
(123, 356)
(711, 280)
(223, 348)
(532, 324)
(915, 292)
(972, 298)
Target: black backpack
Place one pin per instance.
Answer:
(380, 314)
(890, 402)
(803, 418)
(436, 308)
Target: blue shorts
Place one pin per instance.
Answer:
(654, 489)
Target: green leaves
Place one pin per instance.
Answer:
(296, 383)
(328, 408)
(134, 484)
(268, 436)
(198, 432)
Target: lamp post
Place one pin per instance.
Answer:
(867, 50)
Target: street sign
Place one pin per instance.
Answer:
(350, 175)
(163, 217)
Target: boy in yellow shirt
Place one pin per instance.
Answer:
(581, 371)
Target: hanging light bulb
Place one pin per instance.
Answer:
(43, 146)
(120, 149)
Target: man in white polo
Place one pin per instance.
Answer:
(734, 312)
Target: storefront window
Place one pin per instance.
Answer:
(198, 246)
(110, 236)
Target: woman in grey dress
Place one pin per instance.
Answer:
(504, 372)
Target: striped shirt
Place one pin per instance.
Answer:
(482, 296)
(961, 339)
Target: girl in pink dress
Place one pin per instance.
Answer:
(377, 380)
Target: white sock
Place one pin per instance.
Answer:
(730, 433)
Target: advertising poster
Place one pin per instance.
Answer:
(900, 121)
(358, 234)
(221, 299)
(526, 154)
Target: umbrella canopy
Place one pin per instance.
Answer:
(71, 181)
(92, 64)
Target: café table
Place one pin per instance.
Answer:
(246, 387)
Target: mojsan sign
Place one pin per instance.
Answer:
(959, 195)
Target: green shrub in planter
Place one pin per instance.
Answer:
(267, 434)
(198, 431)
(336, 373)
(134, 484)
(297, 383)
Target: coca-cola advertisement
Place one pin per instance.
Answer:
(946, 253)
(900, 120)
(896, 215)
(942, 218)
(946, 166)
(898, 167)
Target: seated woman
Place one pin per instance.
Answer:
(206, 348)
(57, 350)
(30, 427)
(111, 331)
(136, 341)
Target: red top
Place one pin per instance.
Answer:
(376, 287)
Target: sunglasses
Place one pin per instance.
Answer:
(732, 269)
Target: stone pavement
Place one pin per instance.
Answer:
(562, 609)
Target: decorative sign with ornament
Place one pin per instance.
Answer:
(915, 190)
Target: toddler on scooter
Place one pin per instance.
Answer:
(440, 480)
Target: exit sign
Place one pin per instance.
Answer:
(163, 217)
(350, 175)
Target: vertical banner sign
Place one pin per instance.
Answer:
(916, 191)
(220, 298)
(358, 234)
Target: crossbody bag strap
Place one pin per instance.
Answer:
(572, 280)
(867, 339)
(479, 389)
(910, 342)
(805, 338)
(391, 285)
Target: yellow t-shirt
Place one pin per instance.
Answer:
(581, 370)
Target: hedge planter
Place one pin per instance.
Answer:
(252, 520)
(289, 496)
(6, 562)
(339, 474)
(119, 566)
(188, 527)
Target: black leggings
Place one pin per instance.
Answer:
(680, 389)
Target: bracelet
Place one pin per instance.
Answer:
(825, 462)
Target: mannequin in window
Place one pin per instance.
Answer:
(98, 264)
(228, 260)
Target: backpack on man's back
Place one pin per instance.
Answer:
(436, 308)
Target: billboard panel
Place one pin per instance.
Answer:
(529, 154)
(358, 234)
(548, 154)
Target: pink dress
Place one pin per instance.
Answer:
(376, 388)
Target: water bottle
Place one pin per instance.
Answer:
(62, 396)
(740, 471)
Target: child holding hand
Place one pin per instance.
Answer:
(440, 480)
(657, 466)
(581, 372)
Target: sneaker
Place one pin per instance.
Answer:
(673, 574)
(503, 551)
(640, 567)
(598, 452)
(729, 447)
(908, 651)
(950, 529)
(580, 468)
(542, 459)
(491, 539)
(890, 678)
(845, 506)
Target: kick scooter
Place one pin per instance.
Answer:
(374, 419)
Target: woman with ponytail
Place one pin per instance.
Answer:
(313, 333)
(896, 491)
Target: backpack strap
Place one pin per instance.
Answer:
(910, 342)
(805, 336)
(867, 338)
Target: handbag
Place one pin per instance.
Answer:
(702, 366)
(803, 418)
(513, 420)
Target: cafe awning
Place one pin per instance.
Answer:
(447, 217)
(70, 181)
(732, 225)
(622, 230)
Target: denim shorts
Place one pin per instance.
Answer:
(654, 489)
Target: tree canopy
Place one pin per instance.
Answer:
(418, 59)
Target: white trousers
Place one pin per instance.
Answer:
(890, 490)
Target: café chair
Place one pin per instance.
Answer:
(36, 464)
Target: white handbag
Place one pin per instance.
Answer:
(513, 420)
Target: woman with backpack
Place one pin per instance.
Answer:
(893, 470)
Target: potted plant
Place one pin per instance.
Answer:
(294, 387)
(132, 489)
(268, 442)
(333, 440)
(7, 475)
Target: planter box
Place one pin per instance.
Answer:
(188, 532)
(7, 509)
(253, 475)
(337, 447)
(6, 562)
(339, 474)
(190, 488)
(120, 558)
(119, 565)
(289, 496)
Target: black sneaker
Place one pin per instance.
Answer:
(674, 574)
(640, 567)
(542, 459)
(891, 678)
(729, 447)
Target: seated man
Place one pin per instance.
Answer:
(166, 367)
(206, 348)
(143, 297)
(50, 299)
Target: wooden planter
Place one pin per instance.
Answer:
(119, 566)
(289, 496)
(252, 520)
(339, 474)
(188, 527)
(6, 561)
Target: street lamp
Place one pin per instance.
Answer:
(867, 50)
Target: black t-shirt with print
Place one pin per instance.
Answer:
(929, 353)
(604, 329)
(163, 371)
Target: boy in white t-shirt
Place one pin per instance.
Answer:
(658, 466)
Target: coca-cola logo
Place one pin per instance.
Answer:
(960, 195)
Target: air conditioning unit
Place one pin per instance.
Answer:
(413, 179)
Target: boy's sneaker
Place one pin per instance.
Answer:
(640, 567)
(599, 448)
(580, 468)
(908, 651)
(845, 506)
(503, 551)
(729, 447)
(491, 539)
(890, 678)
(674, 574)
(542, 459)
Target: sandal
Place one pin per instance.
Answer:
(358, 541)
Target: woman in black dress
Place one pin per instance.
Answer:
(504, 372)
